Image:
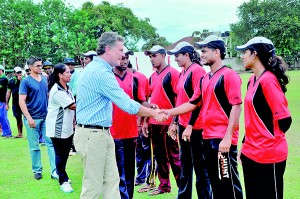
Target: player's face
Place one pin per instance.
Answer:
(124, 61)
(66, 76)
(208, 56)
(87, 60)
(156, 60)
(247, 59)
(181, 59)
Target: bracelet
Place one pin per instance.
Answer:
(176, 123)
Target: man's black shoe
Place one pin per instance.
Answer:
(38, 176)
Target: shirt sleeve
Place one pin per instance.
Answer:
(63, 99)
(275, 98)
(175, 79)
(23, 87)
(141, 95)
(109, 87)
(233, 84)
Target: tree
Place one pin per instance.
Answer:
(278, 20)
(157, 40)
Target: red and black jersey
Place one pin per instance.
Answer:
(187, 85)
(143, 80)
(163, 87)
(265, 104)
(219, 92)
(124, 125)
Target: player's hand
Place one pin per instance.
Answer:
(145, 129)
(172, 132)
(186, 135)
(225, 144)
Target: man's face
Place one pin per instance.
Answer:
(36, 67)
(115, 54)
(124, 61)
(71, 66)
(157, 59)
(18, 75)
(87, 60)
(208, 56)
(48, 70)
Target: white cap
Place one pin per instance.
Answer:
(91, 52)
(127, 52)
(155, 49)
(207, 40)
(181, 47)
(255, 40)
(17, 69)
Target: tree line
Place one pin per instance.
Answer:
(54, 30)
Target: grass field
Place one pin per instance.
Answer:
(16, 178)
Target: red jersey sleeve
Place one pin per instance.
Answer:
(233, 84)
(275, 97)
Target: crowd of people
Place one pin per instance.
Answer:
(119, 121)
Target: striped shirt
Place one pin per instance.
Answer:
(97, 88)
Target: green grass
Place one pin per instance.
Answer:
(16, 178)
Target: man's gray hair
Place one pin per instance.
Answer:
(108, 39)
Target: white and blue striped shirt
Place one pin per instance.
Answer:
(97, 88)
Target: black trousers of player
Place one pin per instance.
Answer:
(166, 152)
(191, 156)
(125, 156)
(62, 148)
(263, 180)
(222, 188)
(143, 159)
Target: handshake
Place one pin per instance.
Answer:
(161, 115)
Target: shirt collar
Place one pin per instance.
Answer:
(106, 65)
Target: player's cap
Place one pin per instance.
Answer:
(69, 61)
(17, 69)
(26, 67)
(90, 53)
(182, 47)
(254, 42)
(155, 49)
(2, 68)
(212, 41)
(127, 52)
(47, 64)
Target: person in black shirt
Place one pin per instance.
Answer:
(13, 89)
(3, 105)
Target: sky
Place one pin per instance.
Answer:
(175, 19)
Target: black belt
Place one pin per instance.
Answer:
(92, 126)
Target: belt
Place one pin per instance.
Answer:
(92, 126)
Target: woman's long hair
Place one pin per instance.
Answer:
(54, 76)
(273, 63)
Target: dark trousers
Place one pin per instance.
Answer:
(62, 148)
(143, 158)
(191, 156)
(166, 153)
(263, 180)
(125, 156)
(222, 188)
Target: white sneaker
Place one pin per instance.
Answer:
(66, 187)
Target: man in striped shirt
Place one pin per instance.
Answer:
(97, 89)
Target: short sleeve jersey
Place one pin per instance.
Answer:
(124, 125)
(265, 104)
(59, 120)
(187, 85)
(14, 85)
(220, 92)
(37, 98)
(143, 80)
(163, 87)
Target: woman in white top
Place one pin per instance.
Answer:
(59, 121)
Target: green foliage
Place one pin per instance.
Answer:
(278, 20)
(53, 30)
